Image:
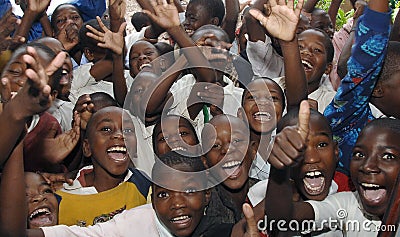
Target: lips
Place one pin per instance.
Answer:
(189, 32)
(232, 168)
(178, 148)
(41, 217)
(314, 182)
(182, 221)
(373, 193)
(262, 116)
(308, 66)
(117, 153)
(144, 65)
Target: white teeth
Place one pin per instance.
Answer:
(144, 65)
(189, 31)
(179, 218)
(307, 64)
(117, 149)
(39, 211)
(262, 116)
(313, 173)
(64, 71)
(317, 188)
(179, 148)
(231, 164)
(368, 185)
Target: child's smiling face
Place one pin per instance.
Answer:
(314, 174)
(263, 105)
(141, 55)
(42, 203)
(108, 132)
(375, 166)
(179, 211)
(313, 55)
(196, 16)
(177, 134)
(228, 149)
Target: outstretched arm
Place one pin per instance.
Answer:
(231, 18)
(33, 98)
(282, 24)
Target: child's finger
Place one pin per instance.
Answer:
(257, 14)
(57, 62)
(290, 4)
(5, 90)
(251, 223)
(101, 24)
(94, 31)
(122, 28)
(299, 7)
(304, 119)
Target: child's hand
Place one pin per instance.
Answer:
(85, 108)
(282, 21)
(290, 143)
(56, 181)
(34, 96)
(8, 24)
(108, 39)
(38, 6)
(68, 36)
(166, 14)
(117, 9)
(207, 93)
(56, 149)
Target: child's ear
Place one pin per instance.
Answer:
(86, 148)
(378, 90)
(336, 147)
(208, 196)
(215, 21)
(328, 68)
(88, 54)
(241, 114)
(204, 160)
(253, 149)
(54, 94)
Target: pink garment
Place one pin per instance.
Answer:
(339, 40)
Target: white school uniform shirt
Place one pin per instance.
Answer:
(63, 112)
(350, 204)
(138, 221)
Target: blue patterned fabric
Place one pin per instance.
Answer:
(90, 8)
(349, 111)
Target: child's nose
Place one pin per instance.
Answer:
(178, 201)
(38, 198)
(118, 134)
(311, 156)
(370, 165)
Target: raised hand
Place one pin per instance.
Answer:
(251, 224)
(165, 13)
(117, 8)
(85, 108)
(108, 39)
(38, 6)
(34, 96)
(290, 143)
(68, 35)
(282, 21)
(8, 24)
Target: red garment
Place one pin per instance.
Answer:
(33, 161)
(344, 182)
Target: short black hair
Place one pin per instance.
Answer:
(215, 8)
(389, 123)
(330, 50)
(293, 116)
(174, 160)
(86, 41)
(391, 65)
(140, 20)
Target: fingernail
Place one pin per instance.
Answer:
(198, 93)
(4, 81)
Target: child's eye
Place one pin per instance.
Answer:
(250, 97)
(128, 130)
(317, 50)
(183, 133)
(76, 18)
(235, 141)
(61, 20)
(162, 195)
(105, 129)
(388, 156)
(138, 91)
(216, 146)
(149, 53)
(358, 154)
(322, 144)
(48, 190)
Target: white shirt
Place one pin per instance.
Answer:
(138, 221)
(348, 206)
(62, 111)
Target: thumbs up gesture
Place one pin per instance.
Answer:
(291, 142)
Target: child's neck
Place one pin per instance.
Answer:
(238, 195)
(102, 181)
(262, 141)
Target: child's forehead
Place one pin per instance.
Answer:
(141, 44)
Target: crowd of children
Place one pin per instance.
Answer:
(213, 118)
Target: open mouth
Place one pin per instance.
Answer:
(181, 221)
(41, 217)
(373, 193)
(117, 153)
(231, 168)
(144, 65)
(307, 65)
(178, 148)
(314, 182)
(189, 32)
(262, 117)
